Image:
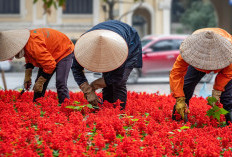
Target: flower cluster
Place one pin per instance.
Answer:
(145, 128)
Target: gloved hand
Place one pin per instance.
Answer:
(27, 79)
(99, 83)
(38, 87)
(89, 93)
(217, 95)
(181, 106)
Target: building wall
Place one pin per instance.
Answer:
(32, 16)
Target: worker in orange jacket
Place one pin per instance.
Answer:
(48, 49)
(206, 50)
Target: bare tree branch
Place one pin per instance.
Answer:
(131, 11)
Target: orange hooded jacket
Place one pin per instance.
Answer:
(46, 47)
(180, 68)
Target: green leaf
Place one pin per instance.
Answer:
(134, 120)
(95, 107)
(76, 102)
(94, 129)
(55, 5)
(42, 113)
(217, 115)
(49, 3)
(55, 153)
(89, 106)
(125, 127)
(39, 142)
(184, 127)
(216, 112)
(35, 1)
(71, 107)
(62, 2)
(211, 100)
(147, 114)
(107, 147)
(120, 136)
(210, 112)
(223, 111)
(75, 107)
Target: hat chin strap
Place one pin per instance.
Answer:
(20, 54)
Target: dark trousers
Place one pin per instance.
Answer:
(118, 90)
(62, 72)
(193, 77)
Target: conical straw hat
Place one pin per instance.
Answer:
(12, 42)
(207, 51)
(101, 50)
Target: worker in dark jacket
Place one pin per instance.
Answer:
(112, 48)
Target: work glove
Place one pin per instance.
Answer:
(216, 94)
(89, 93)
(181, 106)
(27, 79)
(99, 83)
(38, 87)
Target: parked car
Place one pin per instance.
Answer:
(159, 55)
(5, 65)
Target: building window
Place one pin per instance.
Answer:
(9, 6)
(78, 7)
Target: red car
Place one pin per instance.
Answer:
(159, 55)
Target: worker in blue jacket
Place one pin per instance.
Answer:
(112, 48)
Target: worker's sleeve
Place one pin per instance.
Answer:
(222, 78)
(38, 50)
(177, 77)
(78, 72)
(115, 76)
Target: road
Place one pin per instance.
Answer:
(14, 81)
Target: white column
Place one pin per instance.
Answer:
(96, 10)
(166, 7)
(59, 16)
(23, 10)
(37, 21)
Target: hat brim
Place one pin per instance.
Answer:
(101, 50)
(207, 54)
(12, 42)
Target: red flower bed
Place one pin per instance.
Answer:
(145, 128)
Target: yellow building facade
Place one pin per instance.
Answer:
(150, 17)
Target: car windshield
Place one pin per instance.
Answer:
(145, 42)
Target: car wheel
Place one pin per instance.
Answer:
(207, 78)
(134, 76)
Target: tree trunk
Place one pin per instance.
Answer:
(111, 10)
(224, 12)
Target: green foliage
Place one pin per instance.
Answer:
(199, 15)
(48, 3)
(42, 113)
(55, 153)
(79, 108)
(215, 112)
(119, 136)
(211, 100)
(184, 127)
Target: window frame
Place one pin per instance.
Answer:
(79, 15)
(170, 40)
(20, 14)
